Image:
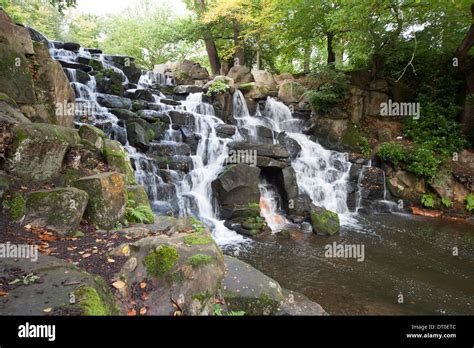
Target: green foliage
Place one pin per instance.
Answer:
(364, 146)
(423, 162)
(27, 279)
(470, 202)
(427, 200)
(446, 202)
(393, 152)
(141, 214)
(217, 87)
(197, 239)
(16, 207)
(90, 301)
(197, 225)
(218, 311)
(331, 88)
(158, 262)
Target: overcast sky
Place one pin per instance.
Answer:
(100, 7)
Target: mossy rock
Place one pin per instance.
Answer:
(324, 222)
(118, 160)
(38, 150)
(16, 207)
(107, 198)
(138, 195)
(199, 260)
(92, 137)
(59, 210)
(198, 239)
(4, 185)
(160, 261)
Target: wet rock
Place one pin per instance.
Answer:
(372, 184)
(77, 66)
(225, 130)
(170, 101)
(137, 136)
(187, 89)
(133, 72)
(113, 101)
(324, 222)
(59, 210)
(137, 194)
(237, 188)
(291, 91)
(405, 185)
(290, 144)
(38, 150)
(275, 151)
(107, 198)
(142, 94)
(170, 149)
(181, 118)
(109, 82)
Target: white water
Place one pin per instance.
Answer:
(270, 208)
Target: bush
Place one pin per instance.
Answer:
(217, 87)
(141, 214)
(331, 89)
(428, 200)
(446, 202)
(470, 202)
(423, 162)
(393, 152)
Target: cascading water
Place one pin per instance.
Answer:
(270, 207)
(321, 174)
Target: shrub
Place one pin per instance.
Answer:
(423, 162)
(217, 87)
(428, 200)
(470, 202)
(364, 146)
(392, 152)
(141, 214)
(446, 202)
(331, 88)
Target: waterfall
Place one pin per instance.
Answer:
(322, 174)
(270, 207)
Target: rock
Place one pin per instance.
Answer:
(237, 189)
(186, 72)
(169, 149)
(446, 186)
(275, 151)
(280, 78)
(268, 162)
(77, 66)
(223, 106)
(240, 74)
(225, 130)
(137, 136)
(17, 37)
(170, 101)
(186, 267)
(324, 222)
(290, 144)
(92, 137)
(57, 280)
(107, 198)
(9, 111)
(290, 185)
(59, 210)
(371, 185)
(36, 35)
(405, 185)
(119, 59)
(264, 78)
(118, 160)
(249, 290)
(133, 72)
(187, 89)
(113, 101)
(299, 210)
(291, 91)
(142, 94)
(4, 184)
(109, 81)
(181, 118)
(137, 194)
(72, 46)
(38, 150)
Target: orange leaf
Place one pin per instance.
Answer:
(118, 284)
(131, 312)
(3, 293)
(143, 311)
(143, 285)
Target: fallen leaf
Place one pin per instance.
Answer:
(145, 296)
(118, 284)
(143, 311)
(47, 310)
(85, 256)
(110, 260)
(177, 313)
(3, 293)
(126, 250)
(143, 285)
(27, 227)
(132, 312)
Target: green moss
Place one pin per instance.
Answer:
(327, 221)
(352, 136)
(5, 98)
(246, 86)
(199, 260)
(16, 207)
(202, 297)
(90, 301)
(197, 239)
(160, 261)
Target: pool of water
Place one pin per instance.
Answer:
(412, 265)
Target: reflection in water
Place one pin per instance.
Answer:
(403, 254)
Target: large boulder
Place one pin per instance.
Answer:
(58, 282)
(291, 91)
(183, 272)
(323, 221)
(107, 198)
(187, 72)
(137, 136)
(240, 74)
(113, 101)
(38, 150)
(9, 111)
(248, 290)
(405, 185)
(59, 210)
(109, 82)
(236, 189)
(118, 160)
(275, 151)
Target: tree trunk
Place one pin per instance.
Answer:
(211, 48)
(307, 58)
(331, 54)
(239, 54)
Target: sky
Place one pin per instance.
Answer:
(101, 7)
